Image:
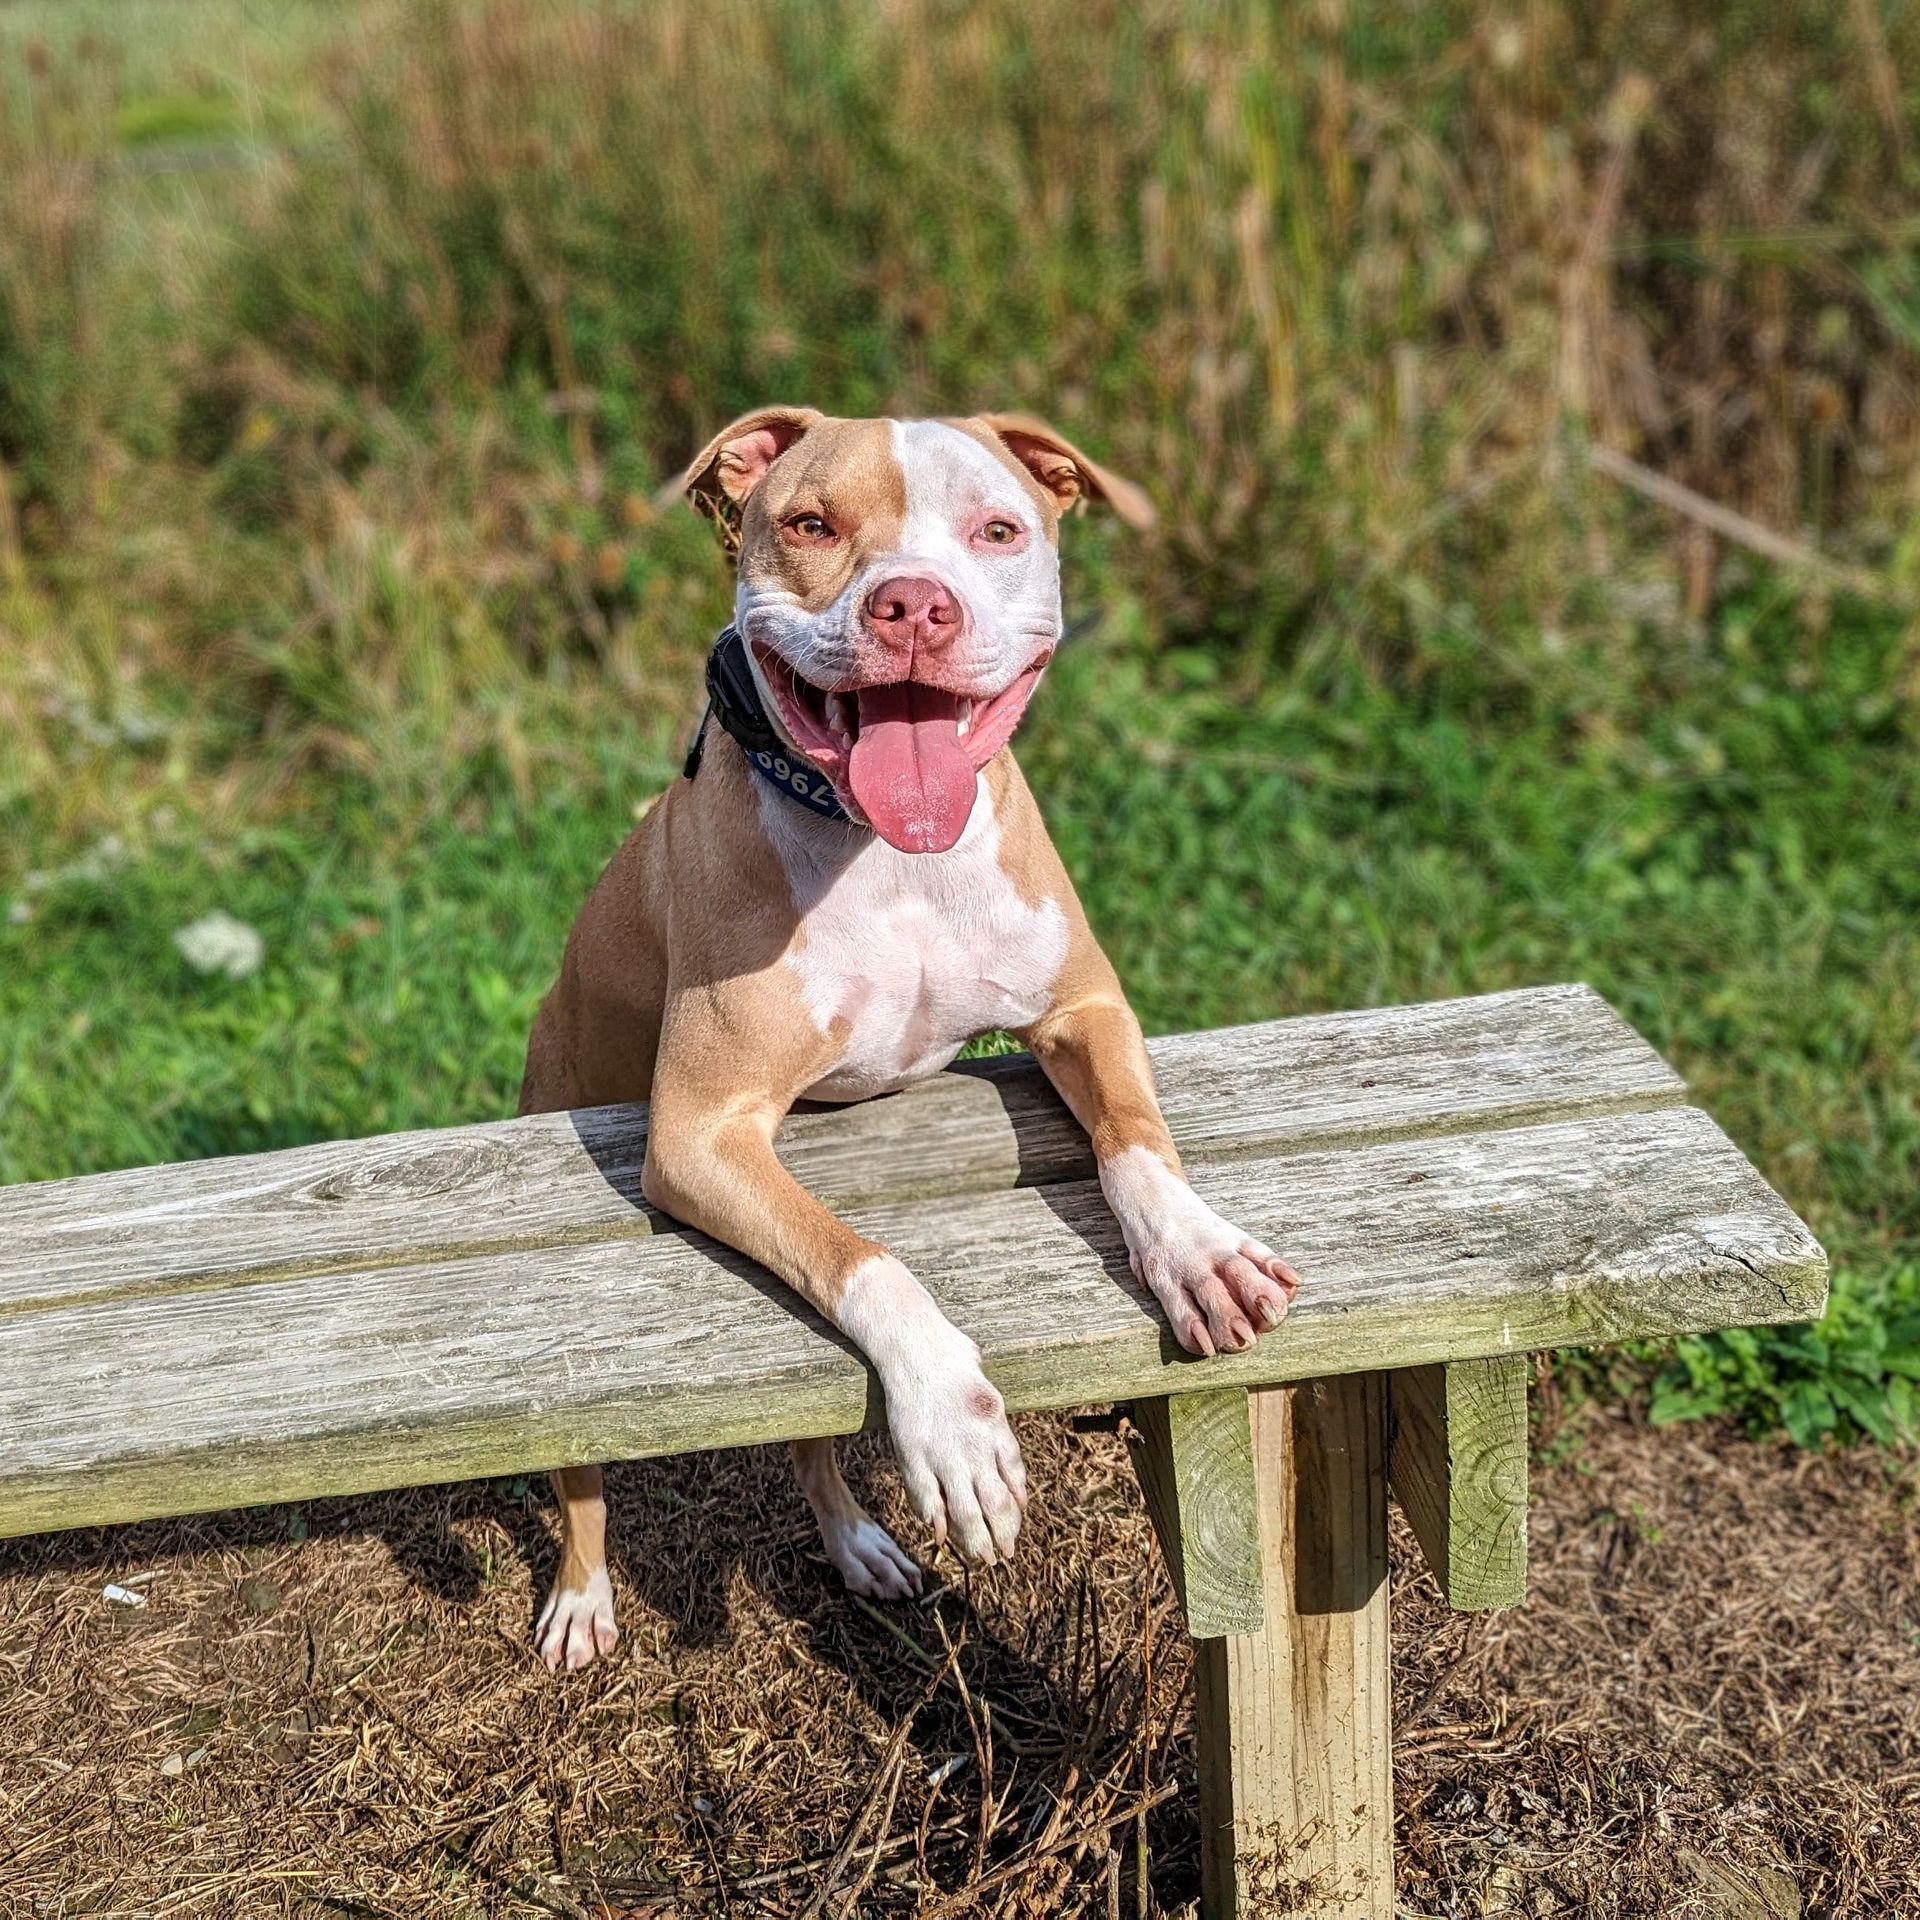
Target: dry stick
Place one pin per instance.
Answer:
(773, 1876)
(1051, 1831)
(1154, 1745)
(1141, 1857)
(888, 1780)
(367, 1666)
(926, 1658)
(551, 1900)
(638, 1893)
(926, 1821)
(1104, 1792)
(1108, 1787)
(1102, 1678)
(1727, 523)
(1102, 1697)
(1081, 1602)
(851, 1899)
(982, 1749)
(1000, 1875)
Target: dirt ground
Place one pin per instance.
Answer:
(1709, 1706)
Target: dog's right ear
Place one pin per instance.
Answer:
(736, 459)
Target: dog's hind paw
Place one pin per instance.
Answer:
(870, 1560)
(577, 1624)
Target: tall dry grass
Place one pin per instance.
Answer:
(1353, 286)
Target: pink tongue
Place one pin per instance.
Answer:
(909, 771)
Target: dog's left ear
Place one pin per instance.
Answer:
(1066, 472)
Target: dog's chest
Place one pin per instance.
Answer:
(908, 956)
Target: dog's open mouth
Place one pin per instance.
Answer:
(903, 757)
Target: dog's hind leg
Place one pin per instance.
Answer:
(869, 1560)
(577, 1622)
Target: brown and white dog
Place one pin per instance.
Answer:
(899, 598)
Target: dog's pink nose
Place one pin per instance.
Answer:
(912, 611)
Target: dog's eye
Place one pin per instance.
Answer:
(809, 526)
(999, 533)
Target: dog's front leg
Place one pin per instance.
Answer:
(1220, 1288)
(710, 1162)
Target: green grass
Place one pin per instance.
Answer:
(1739, 880)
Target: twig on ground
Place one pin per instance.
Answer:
(932, 1663)
(887, 1783)
(1030, 1856)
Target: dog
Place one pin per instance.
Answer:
(850, 883)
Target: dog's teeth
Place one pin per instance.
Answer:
(966, 716)
(837, 716)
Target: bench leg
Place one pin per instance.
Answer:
(1293, 1730)
(1457, 1463)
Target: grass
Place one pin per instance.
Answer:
(341, 351)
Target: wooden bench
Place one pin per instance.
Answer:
(1460, 1183)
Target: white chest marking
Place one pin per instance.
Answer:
(915, 952)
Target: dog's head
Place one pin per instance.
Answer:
(899, 592)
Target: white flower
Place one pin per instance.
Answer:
(218, 943)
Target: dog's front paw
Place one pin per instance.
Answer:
(958, 1456)
(1220, 1288)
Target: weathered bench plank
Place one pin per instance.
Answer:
(558, 1179)
(1416, 1251)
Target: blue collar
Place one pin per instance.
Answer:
(733, 699)
(798, 779)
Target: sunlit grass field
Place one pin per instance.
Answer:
(342, 350)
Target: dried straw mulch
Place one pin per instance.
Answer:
(1710, 1706)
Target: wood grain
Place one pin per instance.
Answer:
(1414, 1251)
(1293, 1736)
(1457, 1463)
(1194, 1456)
(561, 1180)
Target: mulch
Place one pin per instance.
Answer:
(1709, 1706)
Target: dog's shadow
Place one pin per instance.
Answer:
(693, 1538)
(695, 1542)
(703, 1544)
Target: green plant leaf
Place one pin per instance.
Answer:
(1808, 1412)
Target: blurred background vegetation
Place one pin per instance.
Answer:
(342, 349)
